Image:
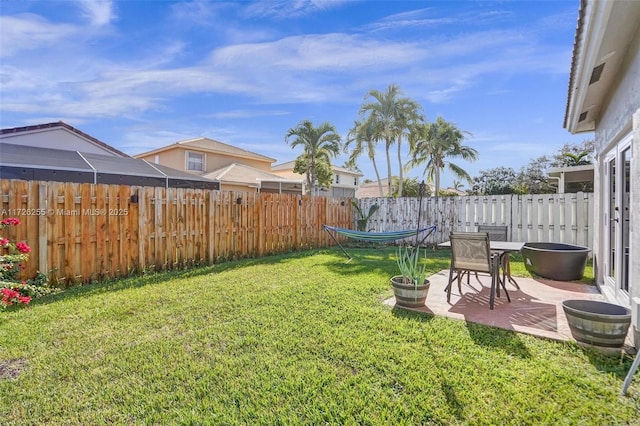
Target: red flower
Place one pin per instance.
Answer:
(10, 296)
(23, 247)
(11, 221)
(4, 242)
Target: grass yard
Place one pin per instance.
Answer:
(302, 338)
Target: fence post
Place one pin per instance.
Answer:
(43, 250)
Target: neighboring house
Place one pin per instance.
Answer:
(372, 189)
(60, 153)
(572, 179)
(57, 135)
(237, 177)
(345, 181)
(208, 157)
(450, 191)
(604, 97)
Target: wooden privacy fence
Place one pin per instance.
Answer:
(81, 232)
(566, 218)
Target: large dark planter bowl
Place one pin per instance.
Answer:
(597, 323)
(556, 261)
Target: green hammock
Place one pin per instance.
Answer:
(376, 237)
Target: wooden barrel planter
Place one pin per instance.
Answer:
(408, 295)
(597, 323)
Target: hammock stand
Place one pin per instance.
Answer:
(376, 237)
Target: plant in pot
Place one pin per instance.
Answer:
(411, 286)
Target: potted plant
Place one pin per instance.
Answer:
(412, 286)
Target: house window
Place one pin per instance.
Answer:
(337, 178)
(195, 161)
(355, 181)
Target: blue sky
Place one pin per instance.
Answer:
(142, 74)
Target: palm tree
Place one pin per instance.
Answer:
(433, 143)
(392, 116)
(320, 144)
(410, 188)
(572, 159)
(363, 135)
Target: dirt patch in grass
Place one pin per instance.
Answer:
(12, 368)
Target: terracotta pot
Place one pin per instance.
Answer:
(407, 294)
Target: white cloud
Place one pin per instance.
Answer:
(428, 17)
(234, 114)
(329, 52)
(25, 32)
(201, 12)
(98, 12)
(290, 8)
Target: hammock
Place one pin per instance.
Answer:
(376, 237)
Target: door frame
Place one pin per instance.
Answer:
(613, 282)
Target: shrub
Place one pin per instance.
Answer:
(14, 291)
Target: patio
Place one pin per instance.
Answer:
(535, 309)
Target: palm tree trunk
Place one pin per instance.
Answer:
(309, 185)
(375, 169)
(389, 177)
(312, 177)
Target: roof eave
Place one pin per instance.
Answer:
(601, 44)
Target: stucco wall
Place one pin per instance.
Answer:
(173, 159)
(345, 188)
(289, 174)
(176, 158)
(624, 99)
(217, 161)
(621, 116)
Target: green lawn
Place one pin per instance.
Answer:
(293, 339)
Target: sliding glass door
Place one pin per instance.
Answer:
(618, 186)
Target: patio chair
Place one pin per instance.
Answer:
(500, 233)
(470, 252)
(496, 232)
(462, 273)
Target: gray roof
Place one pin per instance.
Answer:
(61, 124)
(123, 166)
(128, 170)
(43, 158)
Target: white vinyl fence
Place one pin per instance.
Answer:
(566, 218)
